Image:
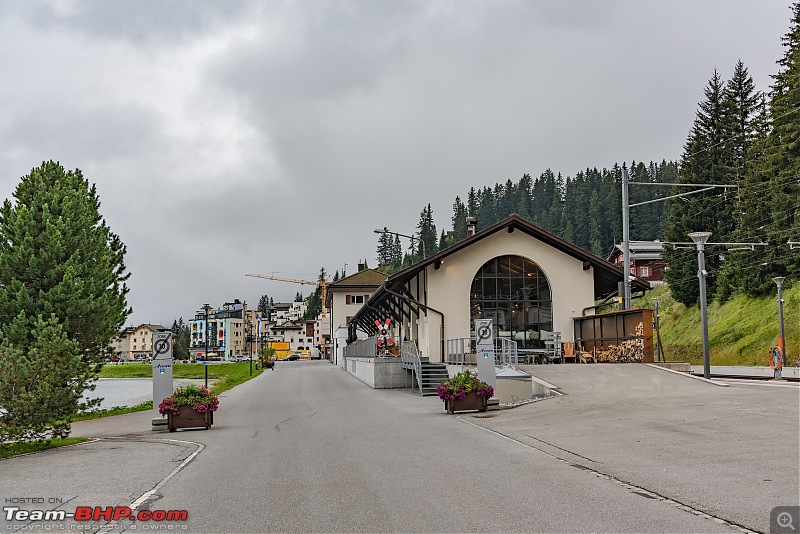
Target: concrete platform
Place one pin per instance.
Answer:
(747, 371)
(729, 451)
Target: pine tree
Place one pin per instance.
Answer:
(459, 221)
(768, 209)
(707, 159)
(40, 385)
(473, 202)
(263, 306)
(595, 237)
(487, 209)
(443, 242)
(397, 250)
(62, 275)
(427, 234)
(523, 200)
(385, 249)
(314, 300)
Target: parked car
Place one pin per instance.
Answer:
(293, 357)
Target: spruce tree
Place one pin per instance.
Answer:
(768, 208)
(62, 288)
(427, 234)
(385, 249)
(263, 306)
(707, 158)
(459, 221)
(783, 151)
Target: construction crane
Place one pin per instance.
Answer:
(323, 285)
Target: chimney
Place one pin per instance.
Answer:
(362, 266)
(472, 222)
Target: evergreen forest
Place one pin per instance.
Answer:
(741, 136)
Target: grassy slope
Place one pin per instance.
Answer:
(740, 331)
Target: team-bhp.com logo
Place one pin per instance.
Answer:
(96, 513)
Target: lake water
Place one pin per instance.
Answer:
(128, 391)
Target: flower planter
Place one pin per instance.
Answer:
(471, 402)
(189, 418)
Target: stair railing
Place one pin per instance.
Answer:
(409, 354)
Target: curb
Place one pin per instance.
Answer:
(706, 380)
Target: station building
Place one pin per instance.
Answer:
(528, 281)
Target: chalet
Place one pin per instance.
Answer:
(646, 260)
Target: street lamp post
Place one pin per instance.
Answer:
(700, 239)
(249, 342)
(385, 230)
(206, 307)
(781, 341)
(658, 337)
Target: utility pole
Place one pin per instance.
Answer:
(781, 340)
(658, 337)
(206, 307)
(626, 246)
(626, 243)
(700, 239)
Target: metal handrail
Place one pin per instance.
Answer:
(409, 354)
(505, 352)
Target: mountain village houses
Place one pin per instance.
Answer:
(234, 332)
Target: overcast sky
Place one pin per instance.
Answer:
(249, 137)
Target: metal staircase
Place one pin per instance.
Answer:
(427, 375)
(431, 375)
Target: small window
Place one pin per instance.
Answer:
(644, 271)
(359, 299)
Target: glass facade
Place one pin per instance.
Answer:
(515, 294)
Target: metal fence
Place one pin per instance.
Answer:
(462, 351)
(366, 348)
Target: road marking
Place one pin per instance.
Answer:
(107, 528)
(633, 488)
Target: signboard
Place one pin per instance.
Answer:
(162, 367)
(484, 349)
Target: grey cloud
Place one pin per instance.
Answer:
(143, 22)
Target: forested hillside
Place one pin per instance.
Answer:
(741, 136)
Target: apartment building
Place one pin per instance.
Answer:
(135, 343)
(224, 328)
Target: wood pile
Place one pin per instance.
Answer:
(628, 351)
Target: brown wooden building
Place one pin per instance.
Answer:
(646, 260)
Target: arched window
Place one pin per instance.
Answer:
(515, 294)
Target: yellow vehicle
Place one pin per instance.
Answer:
(281, 349)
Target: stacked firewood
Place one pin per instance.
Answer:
(628, 351)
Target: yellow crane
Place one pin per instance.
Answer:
(323, 285)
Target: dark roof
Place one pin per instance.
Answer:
(365, 278)
(606, 275)
(647, 250)
(153, 327)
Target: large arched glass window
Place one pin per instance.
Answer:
(515, 294)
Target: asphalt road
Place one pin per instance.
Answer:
(308, 448)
